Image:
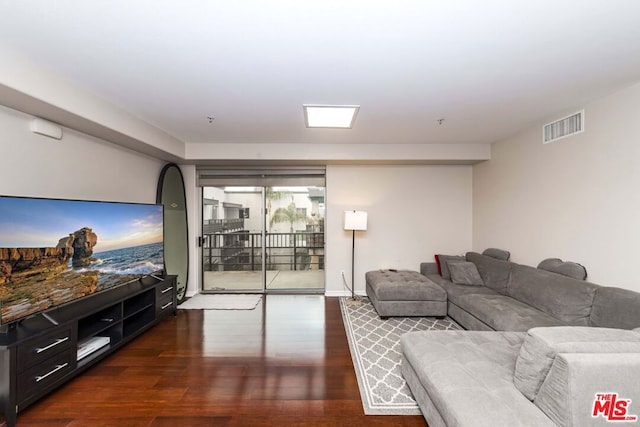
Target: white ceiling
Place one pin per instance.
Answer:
(489, 68)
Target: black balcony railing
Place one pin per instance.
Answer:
(243, 251)
(222, 225)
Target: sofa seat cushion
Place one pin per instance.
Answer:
(541, 345)
(503, 313)
(469, 377)
(455, 290)
(403, 285)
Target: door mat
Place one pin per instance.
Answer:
(221, 302)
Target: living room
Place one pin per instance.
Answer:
(574, 198)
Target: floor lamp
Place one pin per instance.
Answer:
(354, 221)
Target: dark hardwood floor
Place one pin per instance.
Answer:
(286, 363)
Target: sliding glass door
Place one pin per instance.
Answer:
(262, 239)
(232, 232)
(294, 240)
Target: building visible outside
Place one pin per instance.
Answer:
(233, 240)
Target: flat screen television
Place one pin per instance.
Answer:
(54, 251)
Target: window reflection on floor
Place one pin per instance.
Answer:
(281, 326)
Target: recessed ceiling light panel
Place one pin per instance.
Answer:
(330, 116)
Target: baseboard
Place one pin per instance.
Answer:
(340, 294)
(326, 293)
(344, 293)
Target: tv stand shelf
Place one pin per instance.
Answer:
(37, 355)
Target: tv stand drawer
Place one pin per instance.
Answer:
(166, 298)
(35, 379)
(38, 349)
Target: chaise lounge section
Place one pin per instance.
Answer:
(480, 378)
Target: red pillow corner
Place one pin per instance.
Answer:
(438, 263)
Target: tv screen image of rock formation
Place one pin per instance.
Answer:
(54, 251)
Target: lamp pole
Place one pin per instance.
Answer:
(353, 258)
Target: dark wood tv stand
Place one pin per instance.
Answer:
(37, 356)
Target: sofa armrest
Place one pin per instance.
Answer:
(428, 268)
(580, 385)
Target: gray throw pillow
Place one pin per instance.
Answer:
(444, 268)
(464, 273)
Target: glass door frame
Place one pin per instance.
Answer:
(204, 242)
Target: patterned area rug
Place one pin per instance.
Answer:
(375, 349)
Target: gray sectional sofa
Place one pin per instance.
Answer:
(539, 350)
(517, 297)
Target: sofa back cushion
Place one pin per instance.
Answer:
(568, 394)
(562, 297)
(497, 253)
(541, 345)
(566, 268)
(494, 272)
(615, 308)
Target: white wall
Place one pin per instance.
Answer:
(27, 87)
(76, 167)
(413, 213)
(575, 199)
(393, 152)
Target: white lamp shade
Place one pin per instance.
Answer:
(355, 220)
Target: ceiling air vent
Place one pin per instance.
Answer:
(563, 128)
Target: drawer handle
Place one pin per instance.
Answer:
(53, 344)
(107, 319)
(53, 371)
(166, 305)
(164, 291)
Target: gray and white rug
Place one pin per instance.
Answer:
(375, 350)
